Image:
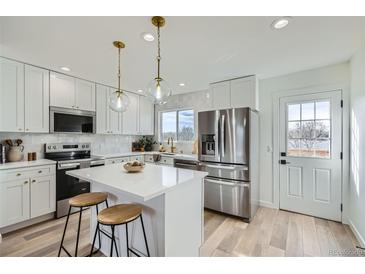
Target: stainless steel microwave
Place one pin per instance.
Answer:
(65, 120)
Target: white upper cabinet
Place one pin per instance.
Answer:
(130, 123)
(62, 90)
(240, 92)
(70, 92)
(243, 92)
(107, 120)
(146, 116)
(221, 95)
(85, 95)
(11, 96)
(36, 99)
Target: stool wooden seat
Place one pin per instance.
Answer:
(81, 201)
(119, 214)
(88, 199)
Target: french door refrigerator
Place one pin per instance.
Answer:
(229, 152)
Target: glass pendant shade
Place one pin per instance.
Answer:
(158, 91)
(118, 101)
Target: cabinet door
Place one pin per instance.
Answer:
(114, 118)
(62, 90)
(102, 124)
(14, 202)
(243, 92)
(146, 116)
(36, 99)
(130, 117)
(11, 96)
(221, 95)
(42, 195)
(85, 95)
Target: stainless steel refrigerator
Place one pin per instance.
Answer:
(229, 152)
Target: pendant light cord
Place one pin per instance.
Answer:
(158, 52)
(119, 71)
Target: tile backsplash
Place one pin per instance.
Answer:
(100, 144)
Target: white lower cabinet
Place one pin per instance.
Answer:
(14, 199)
(31, 195)
(42, 195)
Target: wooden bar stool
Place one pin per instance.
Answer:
(121, 214)
(81, 201)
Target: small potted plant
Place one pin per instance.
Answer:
(147, 143)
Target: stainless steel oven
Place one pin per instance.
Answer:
(64, 120)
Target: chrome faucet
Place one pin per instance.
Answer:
(172, 143)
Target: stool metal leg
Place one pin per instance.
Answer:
(96, 231)
(111, 244)
(97, 213)
(144, 235)
(64, 231)
(126, 236)
(78, 232)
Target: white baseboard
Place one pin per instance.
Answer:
(268, 204)
(26, 223)
(357, 234)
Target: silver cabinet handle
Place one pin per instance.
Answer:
(222, 135)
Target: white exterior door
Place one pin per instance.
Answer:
(310, 154)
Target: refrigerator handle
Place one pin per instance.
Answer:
(222, 140)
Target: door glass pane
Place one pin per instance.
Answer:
(309, 129)
(168, 121)
(308, 111)
(322, 148)
(323, 129)
(294, 130)
(323, 110)
(294, 112)
(186, 125)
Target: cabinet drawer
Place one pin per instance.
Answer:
(148, 158)
(116, 160)
(167, 161)
(15, 174)
(137, 158)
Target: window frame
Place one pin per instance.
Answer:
(160, 131)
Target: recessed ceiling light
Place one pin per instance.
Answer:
(280, 23)
(140, 90)
(182, 85)
(147, 36)
(65, 69)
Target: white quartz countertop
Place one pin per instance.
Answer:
(153, 181)
(192, 157)
(23, 164)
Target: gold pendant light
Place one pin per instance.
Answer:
(118, 100)
(158, 90)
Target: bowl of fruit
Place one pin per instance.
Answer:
(134, 166)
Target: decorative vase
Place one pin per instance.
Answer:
(15, 153)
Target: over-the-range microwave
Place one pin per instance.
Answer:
(65, 120)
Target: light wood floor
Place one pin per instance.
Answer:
(275, 233)
(271, 233)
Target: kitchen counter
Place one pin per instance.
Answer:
(172, 202)
(192, 157)
(25, 164)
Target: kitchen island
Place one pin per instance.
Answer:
(172, 201)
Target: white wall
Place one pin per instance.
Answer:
(357, 159)
(320, 79)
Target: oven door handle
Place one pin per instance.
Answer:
(70, 165)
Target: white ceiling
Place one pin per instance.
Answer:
(195, 50)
